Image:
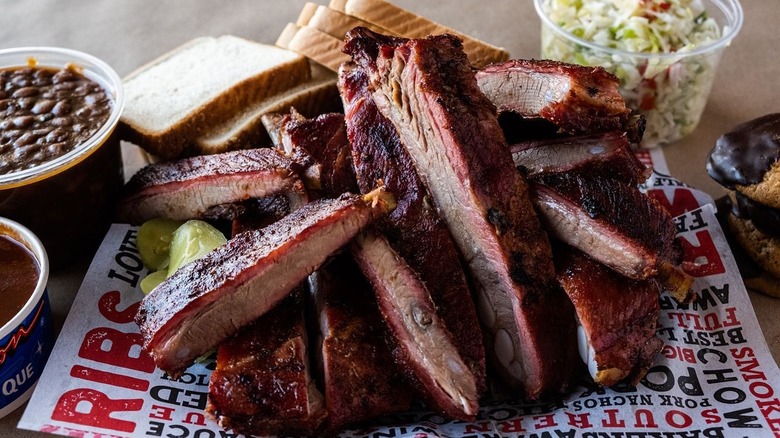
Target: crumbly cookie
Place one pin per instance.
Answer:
(765, 250)
(766, 192)
(764, 283)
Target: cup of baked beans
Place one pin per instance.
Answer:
(26, 329)
(60, 159)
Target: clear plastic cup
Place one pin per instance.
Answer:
(669, 89)
(68, 201)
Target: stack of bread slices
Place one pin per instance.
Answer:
(211, 94)
(208, 96)
(319, 31)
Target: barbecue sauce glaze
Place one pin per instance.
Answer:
(18, 277)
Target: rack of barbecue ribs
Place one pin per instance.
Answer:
(416, 244)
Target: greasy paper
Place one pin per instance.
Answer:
(714, 377)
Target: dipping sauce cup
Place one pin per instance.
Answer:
(26, 339)
(669, 88)
(66, 198)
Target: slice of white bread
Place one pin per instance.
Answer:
(335, 23)
(184, 93)
(317, 45)
(410, 25)
(245, 130)
(338, 5)
(287, 34)
(307, 11)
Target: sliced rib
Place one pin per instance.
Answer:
(603, 154)
(577, 99)
(188, 188)
(426, 347)
(614, 223)
(617, 318)
(262, 384)
(414, 229)
(259, 213)
(208, 300)
(361, 379)
(427, 90)
(324, 139)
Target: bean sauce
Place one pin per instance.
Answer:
(46, 113)
(18, 278)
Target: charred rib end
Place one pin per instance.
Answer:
(380, 198)
(675, 281)
(609, 376)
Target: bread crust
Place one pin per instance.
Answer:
(337, 24)
(287, 34)
(307, 11)
(411, 25)
(319, 46)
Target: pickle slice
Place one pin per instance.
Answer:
(191, 241)
(154, 242)
(152, 280)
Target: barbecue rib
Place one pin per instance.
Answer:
(188, 188)
(577, 99)
(586, 190)
(425, 346)
(361, 380)
(259, 213)
(617, 316)
(208, 300)
(262, 384)
(603, 154)
(427, 90)
(614, 223)
(414, 229)
(325, 140)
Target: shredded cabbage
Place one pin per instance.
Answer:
(669, 91)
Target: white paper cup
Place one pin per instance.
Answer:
(27, 339)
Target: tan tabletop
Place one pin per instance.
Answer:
(128, 33)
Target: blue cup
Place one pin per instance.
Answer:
(27, 339)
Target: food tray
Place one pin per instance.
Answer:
(714, 377)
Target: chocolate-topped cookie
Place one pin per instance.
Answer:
(747, 160)
(744, 155)
(767, 192)
(765, 250)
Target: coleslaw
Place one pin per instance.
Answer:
(655, 47)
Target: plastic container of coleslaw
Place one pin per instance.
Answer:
(665, 52)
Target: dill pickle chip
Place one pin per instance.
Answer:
(191, 241)
(154, 242)
(152, 280)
